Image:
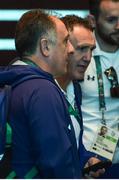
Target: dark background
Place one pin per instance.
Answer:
(7, 28)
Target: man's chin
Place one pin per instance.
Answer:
(114, 40)
(81, 80)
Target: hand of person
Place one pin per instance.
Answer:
(92, 173)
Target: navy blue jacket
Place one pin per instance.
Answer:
(43, 135)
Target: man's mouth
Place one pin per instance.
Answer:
(82, 67)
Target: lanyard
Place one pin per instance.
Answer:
(74, 112)
(102, 104)
(78, 99)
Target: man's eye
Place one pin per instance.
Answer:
(66, 41)
(112, 19)
(83, 49)
(92, 48)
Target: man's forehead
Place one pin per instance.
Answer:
(80, 29)
(109, 7)
(82, 33)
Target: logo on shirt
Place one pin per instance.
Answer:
(90, 78)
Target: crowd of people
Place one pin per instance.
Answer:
(62, 92)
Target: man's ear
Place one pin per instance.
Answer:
(92, 21)
(44, 46)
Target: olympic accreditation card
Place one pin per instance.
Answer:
(105, 142)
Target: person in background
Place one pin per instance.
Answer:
(82, 39)
(103, 131)
(100, 101)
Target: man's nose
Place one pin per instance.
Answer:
(87, 56)
(70, 48)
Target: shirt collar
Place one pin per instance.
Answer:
(97, 51)
(60, 87)
(69, 94)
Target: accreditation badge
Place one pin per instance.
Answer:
(105, 142)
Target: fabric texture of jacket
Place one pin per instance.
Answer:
(43, 135)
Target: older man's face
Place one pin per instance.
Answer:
(83, 42)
